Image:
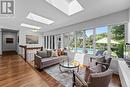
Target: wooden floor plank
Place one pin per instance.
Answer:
(14, 72)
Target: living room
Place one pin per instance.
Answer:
(65, 43)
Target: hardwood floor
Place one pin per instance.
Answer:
(115, 81)
(14, 72)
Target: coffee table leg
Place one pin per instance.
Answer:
(78, 69)
(60, 68)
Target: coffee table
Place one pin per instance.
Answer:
(68, 65)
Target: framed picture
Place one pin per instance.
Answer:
(9, 40)
(32, 39)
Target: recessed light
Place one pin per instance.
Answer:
(30, 26)
(38, 18)
(69, 7)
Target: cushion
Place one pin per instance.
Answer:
(42, 54)
(101, 59)
(99, 53)
(49, 53)
(108, 60)
(62, 52)
(54, 54)
(58, 52)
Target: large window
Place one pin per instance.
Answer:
(89, 37)
(44, 41)
(66, 40)
(117, 41)
(72, 41)
(106, 40)
(79, 41)
(101, 38)
(47, 42)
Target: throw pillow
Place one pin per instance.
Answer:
(42, 54)
(101, 59)
(62, 52)
(49, 53)
(59, 52)
(54, 54)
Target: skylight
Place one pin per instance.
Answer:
(38, 18)
(30, 26)
(69, 7)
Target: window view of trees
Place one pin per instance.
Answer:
(71, 45)
(101, 38)
(89, 36)
(118, 35)
(79, 41)
(109, 40)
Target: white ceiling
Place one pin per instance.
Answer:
(92, 9)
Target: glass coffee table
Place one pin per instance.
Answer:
(69, 66)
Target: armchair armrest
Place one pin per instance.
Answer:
(91, 58)
(106, 64)
(81, 82)
(36, 56)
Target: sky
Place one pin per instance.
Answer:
(99, 30)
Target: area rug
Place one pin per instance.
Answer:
(65, 78)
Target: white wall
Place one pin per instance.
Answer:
(10, 46)
(22, 41)
(115, 18)
(22, 37)
(0, 42)
(129, 27)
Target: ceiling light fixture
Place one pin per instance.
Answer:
(34, 30)
(30, 26)
(38, 18)
(69, 7)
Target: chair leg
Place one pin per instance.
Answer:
(73, 79)
(40, 70)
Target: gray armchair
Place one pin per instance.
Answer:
(102, 61)
(101, 79)
(106, 63)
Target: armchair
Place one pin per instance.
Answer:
(101, 61)
(101, 79)
(106, 63)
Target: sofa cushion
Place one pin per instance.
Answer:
(59, 52)
(52, 58)
(101, 59)
(42, 54)
(49, 53)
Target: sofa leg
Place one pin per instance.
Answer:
(40, 70)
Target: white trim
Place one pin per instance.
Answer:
(75, 41)
(124, 73)
(94, 41)
(109, 41)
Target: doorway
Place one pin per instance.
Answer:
(9, 41)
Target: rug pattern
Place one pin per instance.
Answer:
(65, 78)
